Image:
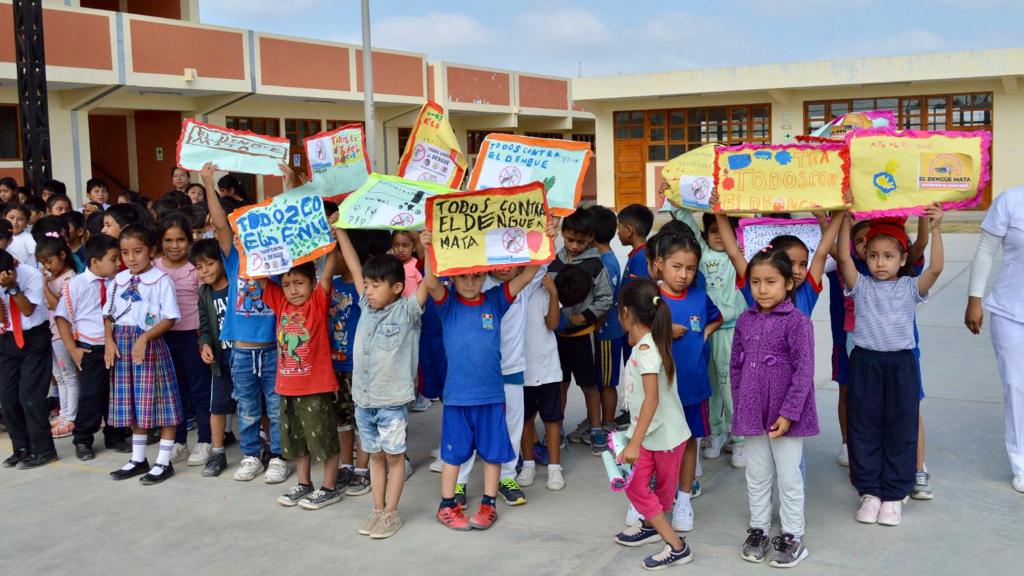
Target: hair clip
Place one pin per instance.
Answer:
(655, 300)
(767, 249)
(52, 235)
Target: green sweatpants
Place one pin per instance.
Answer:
(718, 373)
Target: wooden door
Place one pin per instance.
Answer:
(630, 180)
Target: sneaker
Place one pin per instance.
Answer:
(321, 498)
(695, 490)
(409, 469)
(637, 535)
(527, 475)
(277, 472)
(344, 477)
(389, 523)
(367, 526)
(435, 453)
(789, 551)
(484, 518)
(200, 455)
(248, 469)
(756, 546)
(581, 435)
(63, 428)
(215, 465)
(922, 489)
(1018, 483)
(157, 474)
(715, 445)
(632, 516)
(437, 465)
(869, 507)
(511, 492)
(739, 458)
(179, 453)
(844, 456)
(622, 421)
(460, 496)
(293, 496)
(453, 518)
(682, 516)
(598, 442)
(556, 481)
(358, 485)
(421, 404)
(563, 441)
(891, 513)
(668, 557)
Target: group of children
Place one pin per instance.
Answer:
(148, 321)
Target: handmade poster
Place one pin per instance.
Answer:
(282, 232)
(230, 150)
(488, 229)
(782, 178)
(506, 160)
(691, 178)
(755, 234)
(838, 128)
(388, 203)
(899, 173)
(432, 153)
(338, 160)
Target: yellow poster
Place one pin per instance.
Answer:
(899, 173)
(432, 153)
(784, 178)
(691, 178)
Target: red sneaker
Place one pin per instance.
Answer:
(453, 518)
(485, 517)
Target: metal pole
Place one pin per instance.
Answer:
(369, 118)
(33, 107)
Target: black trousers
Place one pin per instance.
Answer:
(94, 398)
(24, 384)
(883, 395)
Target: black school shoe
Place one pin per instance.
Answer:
(19, 455)
(37, 460)
(215, 465)
(136, 469)
(164, 473)
(84, 452)
(121, 445)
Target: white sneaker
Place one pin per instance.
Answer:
(421, 404)
(891, 513)
(632, 516)
(527, 475)
(556, 481)
(435, 453)
(869, 509)
(437, 465)
(1018, 483)
(248, 469)
(739, 458)
(715, 445)
(200, 454)
(277, 471)
(682, 516)
(844, 456)
(179, 453)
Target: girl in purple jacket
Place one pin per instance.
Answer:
(772, 376)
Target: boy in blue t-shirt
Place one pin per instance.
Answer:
(607, 350)
(474, 391)
(635, 224)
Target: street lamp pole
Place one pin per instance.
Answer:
(369, 117)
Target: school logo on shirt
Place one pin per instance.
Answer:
(488, 321)
(293, 345)
(695, 323)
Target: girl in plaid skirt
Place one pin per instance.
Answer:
(141, 307)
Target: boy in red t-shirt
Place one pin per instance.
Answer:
(305, 380)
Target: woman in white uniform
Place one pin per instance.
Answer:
(1004, 226)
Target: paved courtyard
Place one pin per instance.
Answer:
(69, 517)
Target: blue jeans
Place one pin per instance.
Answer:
(253, 371)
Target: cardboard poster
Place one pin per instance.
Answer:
(282, 232)
(837, 129)
(899, 173)
(506, 160)
(388, 203)
(432, 153)
(338, 160)
(230, 150)
(783, 178)
(488, 229)
(691, 178)
(754, 234)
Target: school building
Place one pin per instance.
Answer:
(122, 74)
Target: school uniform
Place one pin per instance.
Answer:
(23, 248)
(542, 391)
(26, 363)
(607, 346)
(144, 394)
(693, 309)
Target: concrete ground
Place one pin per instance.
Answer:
(70, 517)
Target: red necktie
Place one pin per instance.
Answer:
(19, 338)
(103, 294)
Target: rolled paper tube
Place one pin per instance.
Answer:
(616, 479)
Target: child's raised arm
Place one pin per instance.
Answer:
(921, 242)
(553, 315)
(348, 253)
(516, 285)
(930, 274)
(434, 286)
(329, 270)
(847, 269)
(423, 290)
(732, 247)
(825, 247)
(221, 226)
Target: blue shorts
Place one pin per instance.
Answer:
(698, 419)
(607, 362)
(433, 366)
(382, 429)
(481, 428)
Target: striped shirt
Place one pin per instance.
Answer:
(885, 313)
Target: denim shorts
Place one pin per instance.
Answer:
(382, 429)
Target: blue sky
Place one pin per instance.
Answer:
(630, 36)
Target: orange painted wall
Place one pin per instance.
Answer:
(16, 173)
(272, 186)
(77, 40)
(304, 65)
(430, 82)
(108, 146)
(169, 49)
(470, 86)
(156, 128)
(578, 107)
(393, 74)
(547, 93)
(7, 36)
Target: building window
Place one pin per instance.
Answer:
(334, 124)
(403, 139)
(628, 125)
(934, 112)
(297, 130)
(669, 133)
(589, 138)
(10, 136)
(264, 126)
(553, 135)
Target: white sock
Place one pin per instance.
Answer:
(554, 467)
(164, 457)
(138, 447)
(529, 463)
(349, 466)
(682, 498)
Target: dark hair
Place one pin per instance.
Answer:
(130, 195)
(639, 217)
(125, 214)
(170, 203)
(48, 246)
(573, 284)
(206, 248)
(386, 268)
(98, 245)
(139, 232)
(6, 230)
(579, 222)
(48, 224)
(369, 243)
(778, 260)
(605, 223)
(15, 206)
(192, 185)
(786, 241)
(94, 225)
(55, 186)
(95, 183)
(9, 182)
(37, 204)
(708, 220)
(677, 227)
(307, 269)
(197, 215)
(908, 268)
(96, 204)
(229, 182)
(174, 220)
(644, 301)
(176, 168)
(7, 262)
(56, 199)
(73, 218)
(230, 204)
(330, 207)
(667, 244)
(23, 193)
